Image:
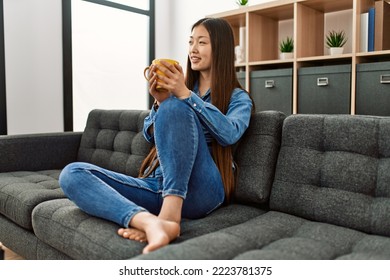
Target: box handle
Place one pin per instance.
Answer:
(322, 82)
(269, 83)
(385, 79)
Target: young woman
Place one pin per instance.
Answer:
(193, 123)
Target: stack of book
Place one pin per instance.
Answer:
(375, 28)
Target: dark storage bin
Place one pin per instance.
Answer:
(373, 89)
(272, 90)
(241, 78)
(324, 90)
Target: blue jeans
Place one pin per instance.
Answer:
(186, 170)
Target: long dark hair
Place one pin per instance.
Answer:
(224, 81)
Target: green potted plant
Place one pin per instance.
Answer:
(335, 41)
(286, 48)
(242, 3)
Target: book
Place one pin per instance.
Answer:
(364, 32)
(371, 29)
(382, 24)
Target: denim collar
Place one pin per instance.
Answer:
(206, 96)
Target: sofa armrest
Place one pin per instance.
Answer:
(32, 152)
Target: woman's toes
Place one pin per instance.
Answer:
(132, 234)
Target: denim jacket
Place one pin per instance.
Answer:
(226, 129)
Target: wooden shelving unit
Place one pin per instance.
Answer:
(307, 22)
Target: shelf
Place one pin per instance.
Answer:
(265, 31)
(325, 57)
(377, 56)
(376, 53)
(307, 22)
(315, 21)
(236, 20)
(271, 62)
(240, 65)
(277, 13)
(328, 6)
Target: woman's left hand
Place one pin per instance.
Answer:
(173, 81)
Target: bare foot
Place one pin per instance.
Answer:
(160, 233)
(133, 234)
(160, 230)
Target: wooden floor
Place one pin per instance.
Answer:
(9, 255)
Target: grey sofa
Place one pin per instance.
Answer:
(38, 222)
(309, 187)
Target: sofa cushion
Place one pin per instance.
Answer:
(24, 242)
(21, 191)
(65, 227)
(256, 156)
(278, 236)
(113, 139)
(334, 169)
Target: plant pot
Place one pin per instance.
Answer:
(336, 51)
(286, 55)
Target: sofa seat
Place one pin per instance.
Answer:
(66, 228)
(21, 191)
(280, 236)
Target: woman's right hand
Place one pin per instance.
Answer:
(159, 95)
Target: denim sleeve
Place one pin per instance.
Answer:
(226, 129)
(148, 122)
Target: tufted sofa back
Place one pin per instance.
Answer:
(113, 139)
(335, 169)
(256, 156)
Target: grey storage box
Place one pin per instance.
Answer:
(373, 88)
(241, 78)
(324, 89)
(272, 90)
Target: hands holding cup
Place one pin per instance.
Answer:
(166, 77)
(154, 69)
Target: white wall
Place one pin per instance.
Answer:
(33, 64)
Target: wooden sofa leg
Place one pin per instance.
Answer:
(1, 252)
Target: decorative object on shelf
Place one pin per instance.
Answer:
(286, 48)
(371, 29)
(242, 3)
(364, 32)
(240, 49)
(335, 41)
(240, 54)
